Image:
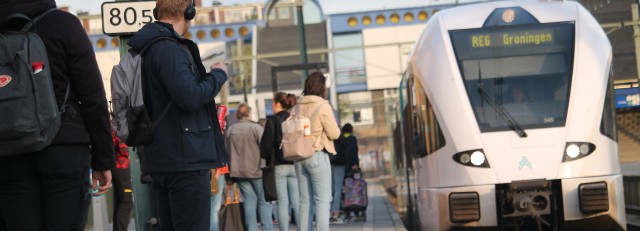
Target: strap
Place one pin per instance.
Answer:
(30, 22)
(164, 112)
(66, 96)
(35, 20)
(276, 123)
(142, 53)
(148, 45)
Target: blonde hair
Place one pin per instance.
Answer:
(172, 9)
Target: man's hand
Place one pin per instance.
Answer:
(104, 177)
(220, 65)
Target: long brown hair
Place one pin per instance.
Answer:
(315, 85)
(285, 100)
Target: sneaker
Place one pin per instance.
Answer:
(336, 220)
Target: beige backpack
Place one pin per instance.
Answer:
(297, 142)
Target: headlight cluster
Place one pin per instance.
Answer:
(577, 150)
(473, 158)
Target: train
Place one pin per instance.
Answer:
(506, 121)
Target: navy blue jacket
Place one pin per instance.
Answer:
(188, 137)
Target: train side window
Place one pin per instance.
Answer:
(607, 124)
(427, 136)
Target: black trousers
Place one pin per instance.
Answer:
(123, 202)
(47, 190)
(183, 200)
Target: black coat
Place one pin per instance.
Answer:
(72, 59)
(272, 138)
(347, 151)
(188, 137)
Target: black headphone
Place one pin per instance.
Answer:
(189, 13)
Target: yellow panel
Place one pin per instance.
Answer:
(395, 18)
(380, 19)
(215, 33)
(408, 17)
(352, 21)
(423, 15)
(115, 42)
(243, 31)
(229, 32)
(366, 20)
(102, 43)
(201, 34)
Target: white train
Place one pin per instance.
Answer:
(507, 116)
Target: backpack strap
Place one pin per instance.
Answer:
(30, 22)
(144, 50)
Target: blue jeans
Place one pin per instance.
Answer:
(252, 200)
(337, 176)
(314, 178)
(288, 194)
(216, 201)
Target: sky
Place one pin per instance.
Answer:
(93, 6)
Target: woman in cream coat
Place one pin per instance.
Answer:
(314, 173)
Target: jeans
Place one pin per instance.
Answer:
(252, 200)
(183, 200)
(122, 198)
(288, 195)
(216, 202)
(337, 176)
(47, 190)
(314, 178)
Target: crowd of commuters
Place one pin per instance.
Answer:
(190, 151)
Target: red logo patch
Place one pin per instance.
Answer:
(4, 80)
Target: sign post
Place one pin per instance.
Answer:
(123, 19)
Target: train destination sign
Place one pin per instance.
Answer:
(512, 38)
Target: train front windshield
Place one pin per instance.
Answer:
(520, 73)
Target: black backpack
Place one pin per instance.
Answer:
(30, 115)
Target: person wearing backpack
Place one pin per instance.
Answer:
(270, 147)
(314, 173)
(243, 138)
(49, 189)
(187, 141)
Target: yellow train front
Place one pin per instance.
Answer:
(508, 114)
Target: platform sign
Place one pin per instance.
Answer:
(122, 18)
(627, 97)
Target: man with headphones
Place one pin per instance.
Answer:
(179, 95)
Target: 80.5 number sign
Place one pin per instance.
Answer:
(121, 18)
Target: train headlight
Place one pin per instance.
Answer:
(472, 158)
(465, 158)
(477, 158)
(573, 151)
(577, 150)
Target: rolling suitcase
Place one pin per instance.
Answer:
(354, 194)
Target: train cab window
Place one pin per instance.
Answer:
(608, 122)
(427, 134)
(517, 73)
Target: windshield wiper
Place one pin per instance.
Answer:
(501, 111)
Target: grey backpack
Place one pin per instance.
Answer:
(130, 117)
(30, 115)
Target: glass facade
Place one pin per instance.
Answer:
(350, 66)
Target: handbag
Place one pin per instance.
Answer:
(269, 181)
(231, 215)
